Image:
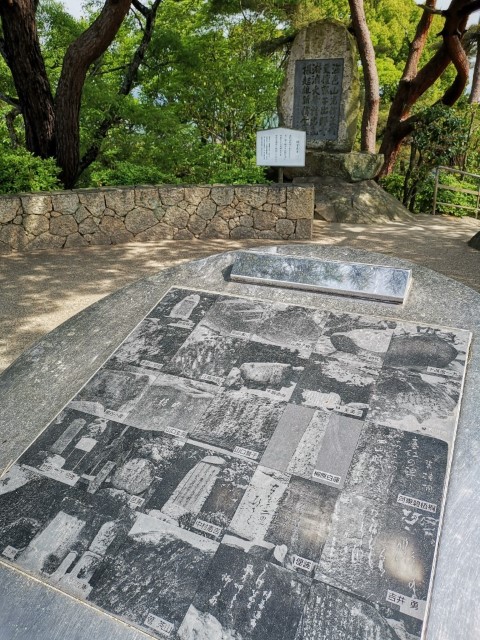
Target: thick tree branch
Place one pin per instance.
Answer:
(14, 102)
(10, 121)
(21, 49)
(419, 40)
(271, 46)
(470, 8)
(459, 58)
(431, 10)
(2, 49)
(141, 8)
(372, 85)
(129, 79)
(414, 83)
(80, 55)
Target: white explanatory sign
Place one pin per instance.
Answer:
(281, 148)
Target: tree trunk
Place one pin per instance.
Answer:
(370, 74)
(21, 49)
(394, 132)
(474, 97)
(80, 55)
(414, 83)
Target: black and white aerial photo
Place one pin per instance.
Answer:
(247, 470)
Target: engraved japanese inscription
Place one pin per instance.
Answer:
(317, 97)
(242, 469)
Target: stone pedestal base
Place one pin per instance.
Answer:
(365, 202)
(475, 241)
(352, 167)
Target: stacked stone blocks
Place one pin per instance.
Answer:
(115, 215)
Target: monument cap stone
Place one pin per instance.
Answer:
(320, 94)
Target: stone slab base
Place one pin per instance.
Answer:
(475, 241)
(337, 200)
(352, 167)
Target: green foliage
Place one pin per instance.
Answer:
(447, 197)
(22, 171)
(205, 89)
(442, 137)
(203, 93)
(393, 183)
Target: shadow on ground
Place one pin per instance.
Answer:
(40, 290)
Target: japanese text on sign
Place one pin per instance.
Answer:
(317, 97)
(281, 148)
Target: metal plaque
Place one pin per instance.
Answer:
(343, 278)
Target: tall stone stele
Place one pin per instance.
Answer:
(321, 96)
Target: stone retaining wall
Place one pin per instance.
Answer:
(113, 215)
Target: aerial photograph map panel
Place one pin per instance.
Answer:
(241, 469)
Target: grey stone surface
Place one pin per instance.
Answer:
(227, 213)
(176, 217)
(245, 221)
(81, 213)
(165, 212)
(51, 615)
(93, 201)
(240, 233)
(285, 228)
(139, 219)
(35, 224)
(194, 195)
(223, 196)
(196, 224)
(146, 197)
(98, 330)
(66, 203)
(75, 240)
(337, 200)
(172, 195)
(303, 229)
(89, 225)
(325, 40)
(9, 207)
(331, 369)
(160, 231)
(206, 209)
(120, 200)
(349, 167)
(474, 242)
(263, 220)
(47, 241)
(299, 203)
(276, 194)
(15, 237)
(97, 238)
(63, 226)
(183, 234)
(255, 198)
(216, 228)
(37, 204)
(115, 230)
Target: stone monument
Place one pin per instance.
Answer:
(321, 92)
(321, 96)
